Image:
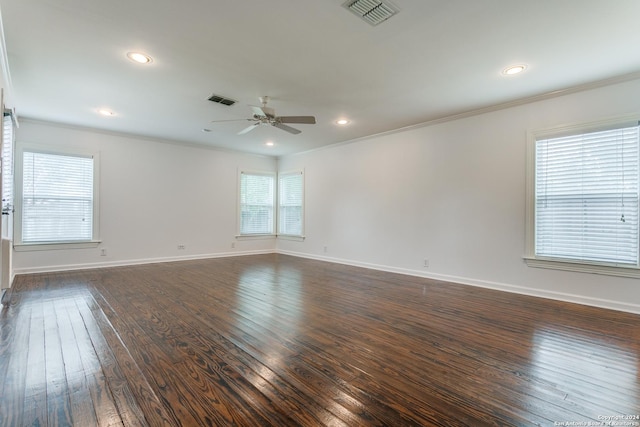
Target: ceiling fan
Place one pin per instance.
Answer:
(267, 116)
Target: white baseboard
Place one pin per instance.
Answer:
(124, 263)
(559, 296)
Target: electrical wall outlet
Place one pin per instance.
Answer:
(425, 263)
(103, 252)
(181, 247)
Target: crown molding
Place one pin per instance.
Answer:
(488, 109)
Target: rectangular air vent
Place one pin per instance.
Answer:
(222, 100)
(372, 11)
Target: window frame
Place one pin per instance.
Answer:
(584, 266)
(273, 234)
(300, 236)
(19, 245)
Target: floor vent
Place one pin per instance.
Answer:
(221, 100)
(372, 11)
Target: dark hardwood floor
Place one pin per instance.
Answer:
(279, 340)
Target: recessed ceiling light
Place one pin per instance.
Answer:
(139, 57)
(269, 144)
(106, 112)
(343, 122)
(514, 69)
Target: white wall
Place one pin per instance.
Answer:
(153, 196)
(453, 193)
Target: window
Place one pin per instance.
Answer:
(583, 198)
(290, 203)
(58, 203)
(257, 199)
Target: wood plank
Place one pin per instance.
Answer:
(82, 408)
(14, 345)
(35, 392)
(58, 391)
(97, 387)
(136, 401)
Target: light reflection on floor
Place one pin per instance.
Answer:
(567, 363)
(267, 301)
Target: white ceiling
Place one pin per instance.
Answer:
(436, 58)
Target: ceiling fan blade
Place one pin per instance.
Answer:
(248, 129)
(308, 120)
(287, 128)
(229, 120)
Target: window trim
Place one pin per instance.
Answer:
(295, 237)
(21, 246)
(530, 257)
(8, 155)
(256, 236)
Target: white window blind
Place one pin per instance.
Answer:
(7, 163)
(290, 206)
(257, 195)
(586, 197)
(57, 198)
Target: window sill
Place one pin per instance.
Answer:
(291, 237)
(26, 247)
(255, 236)
(584, 267)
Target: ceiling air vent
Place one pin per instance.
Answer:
(372, 11)
(222, 100)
